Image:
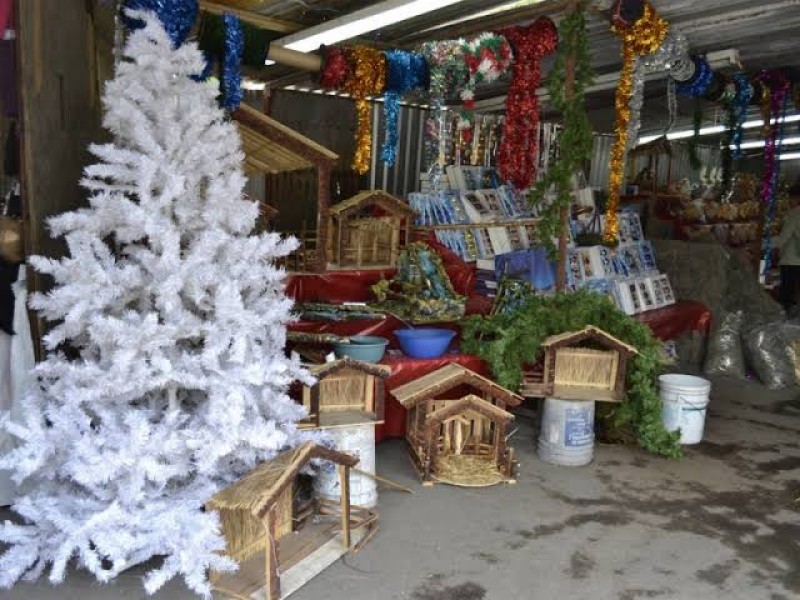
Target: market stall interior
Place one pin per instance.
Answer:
(485, 298)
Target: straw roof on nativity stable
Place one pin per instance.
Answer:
(447, 378)
(272, 147)
(256, 491)
(386, 201)
(589, 334)
(328, 368)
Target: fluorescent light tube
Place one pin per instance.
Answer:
(791, 156)
(760, 144)
(359, 22)
(687, 133)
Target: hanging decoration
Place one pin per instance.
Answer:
(367, 77)
(697, 117)
(335, 68)
(644, 37)
(671, 57)
(448, 73)
(741, 103)
(177, 16)
(774, 107)
(697, 85)
(737, 96)
(405, 72)
(518, 150)
(576, 138)
(231, 81)
(488, 57)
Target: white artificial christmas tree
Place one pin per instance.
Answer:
(175, 318)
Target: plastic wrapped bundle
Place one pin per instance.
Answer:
(768, 352)
(725, 354)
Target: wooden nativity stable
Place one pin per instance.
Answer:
(461, 441)
(347, 392)
(368, 230)
(271, 147)
(589, 364)
(278, 533)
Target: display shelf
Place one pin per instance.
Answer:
(480, 225)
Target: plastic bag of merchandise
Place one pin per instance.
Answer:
(725, 355)
(767, 348)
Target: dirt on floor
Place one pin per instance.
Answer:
(722, 522)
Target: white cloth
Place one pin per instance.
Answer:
(16, 362)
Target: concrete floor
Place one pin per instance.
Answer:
(723, 522)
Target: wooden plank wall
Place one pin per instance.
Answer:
(59, 68)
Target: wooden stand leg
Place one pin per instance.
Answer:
(344, 477)
(273, 583)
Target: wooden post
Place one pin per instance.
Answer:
(272, 583)
(344, 480)
(323, 217)
(314, 409)
(380, 401)
(563, 237)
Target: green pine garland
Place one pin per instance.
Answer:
(576, 141)
(509, 341)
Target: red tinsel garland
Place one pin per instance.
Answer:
(517, 155)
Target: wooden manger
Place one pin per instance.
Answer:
(347, 392)
(270, 531)
(589, 364)
(368, 230)
(461, 441)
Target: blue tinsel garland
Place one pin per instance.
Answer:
(232, 62)
(698, 85)
(741, 103)
(177, 16)
(405, 71)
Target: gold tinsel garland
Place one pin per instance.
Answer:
(644, 37)
(367, 78)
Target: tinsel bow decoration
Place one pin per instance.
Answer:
(177, 16)
(405, 71)
(488, 57)
(644, 37)
(518, 154)
(335, 67)
(367, 77)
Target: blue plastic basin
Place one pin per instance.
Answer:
(424, 343)
(369, 348)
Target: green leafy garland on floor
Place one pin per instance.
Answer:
(575, 146)
(509, 341)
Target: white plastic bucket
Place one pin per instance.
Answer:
(685, 402)
(567, 434)
(358, 440)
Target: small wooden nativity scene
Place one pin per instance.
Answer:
(589, 365)
(279, 533)
(368, 231)
(457, 427)
(347, 392)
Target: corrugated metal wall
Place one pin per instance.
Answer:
(680, 168)
(402, 178)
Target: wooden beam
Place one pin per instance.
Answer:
(292, 58)
(272, 585)
(344, 480)
(250, 17)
